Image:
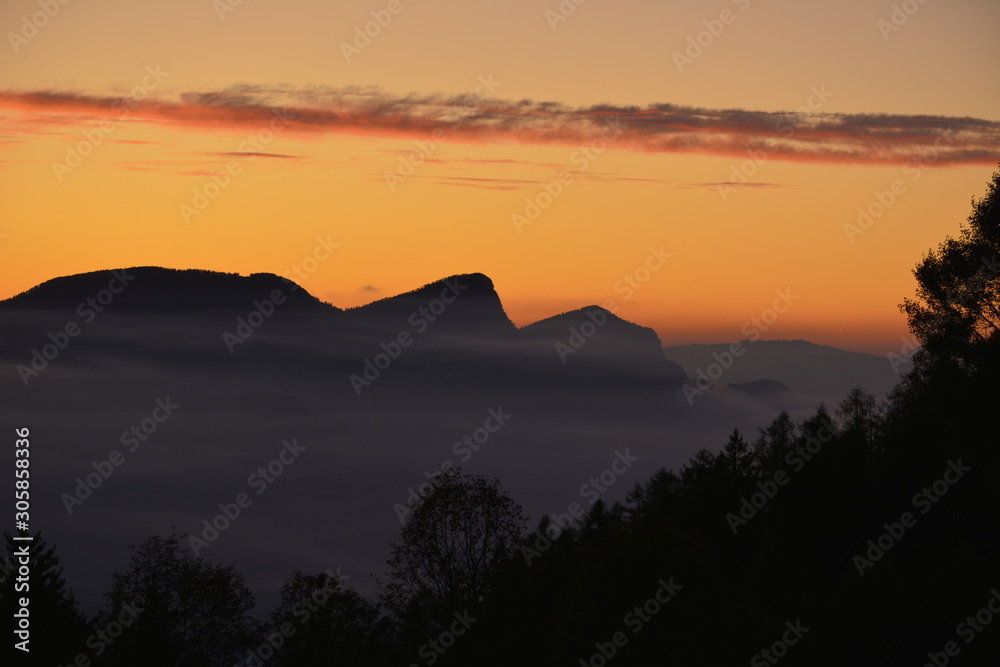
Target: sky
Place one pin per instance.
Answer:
(691, 164)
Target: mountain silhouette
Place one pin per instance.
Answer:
(380, 396)
(472, 303)
(606, 337)
(463, 312)
(151, 289)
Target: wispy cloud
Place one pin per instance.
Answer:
(494, 183)
(658, 128)
(733, 184)
(253, 154)
(508, 184)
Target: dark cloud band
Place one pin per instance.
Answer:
(659, 128)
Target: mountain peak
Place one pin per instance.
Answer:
(153, 288)
(615, 342)
(569, 317)
(469, 284)
(466, 300)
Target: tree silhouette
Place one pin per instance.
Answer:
(957, 309)
(739, 458)
(860, 417)
(452, 547)
(187, 611)
(775, 442)
(58, 629)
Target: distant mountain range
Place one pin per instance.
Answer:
(381, 397)
(816, 371)
(819, 372)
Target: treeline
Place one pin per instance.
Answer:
(878, 534)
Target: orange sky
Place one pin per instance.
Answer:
(488, 106)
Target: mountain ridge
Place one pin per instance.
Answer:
(150, 288)
(173, 290)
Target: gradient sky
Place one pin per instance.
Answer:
(499, 99)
